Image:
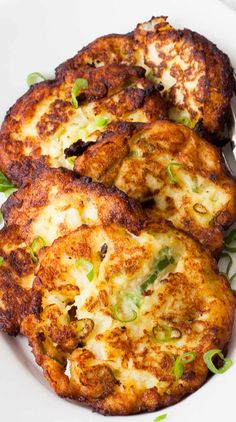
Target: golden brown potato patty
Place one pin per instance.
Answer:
(117, 311)
(173, 172)
(44, 127)
(196, 78)
(48, 207)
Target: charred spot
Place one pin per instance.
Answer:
(103, 251)
(213, 177)
(188, 376)
(149, 203)
(72, 313)
(21, 261)
(40, 336)
(77, 148)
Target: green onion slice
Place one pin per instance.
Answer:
(79, 84)
(231, 237)
(161, 265)
(5, 184)
(163, 333)
(137, 300)
(116, 316)
(182, 360)
(184, 120)
(1, 260)
(71, 160)
(170, 173)
(101, 121)
(200, 209)
(230, 262)
(160, 418)
(88, 266)
(34, 77)
(208, 356)
(37, 244)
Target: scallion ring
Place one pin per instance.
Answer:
(79, 84)
(164, 333)
(170, 173)
(208, 356)
(101, 121)
(1, 260)
(5, 184)
(230, 262)
(116, 316)
(37, 244)
(178, 368)
(88, 266)
(34, 77)
(231, 237)
(160, 418)
(161, 265)
(200, 209)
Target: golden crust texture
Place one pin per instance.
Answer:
(96, 336)
(40, 128)
(195, 76)
(50, 206)
(173, 172)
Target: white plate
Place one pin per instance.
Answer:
(37, 36)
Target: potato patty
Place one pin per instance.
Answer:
(118, 309)
(172, 171)
(51, 206)
(41, 127)
(195, 76)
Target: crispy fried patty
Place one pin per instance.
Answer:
(196, 78)
(172, 171)
(50, 206)
(40, 128)
(117, 311)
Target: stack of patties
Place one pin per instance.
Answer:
(112, 280)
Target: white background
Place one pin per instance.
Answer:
(37, 36)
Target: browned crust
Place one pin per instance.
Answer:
(113, 204)
(216, 335)
(20, 211)
(103, 160)
(217, 86)
(21, 155)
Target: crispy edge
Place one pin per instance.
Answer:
(54, 372)
(102, 162)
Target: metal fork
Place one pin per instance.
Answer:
(229, 150)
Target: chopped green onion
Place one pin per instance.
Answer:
(34, 77)
(161, 265)
(163, 333)
(169, 171)
(230, 237)
(71, 160)
(37, 244)
(230, 262)
(160, 418)
(182, 360)
(101, 121)
(200, 209)
(79, 84)
(184, 120)
(8, 192)
(135, 298)
(208, 356)
(116, 311)
(5, 184)
(88, 266)
(1, 260)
